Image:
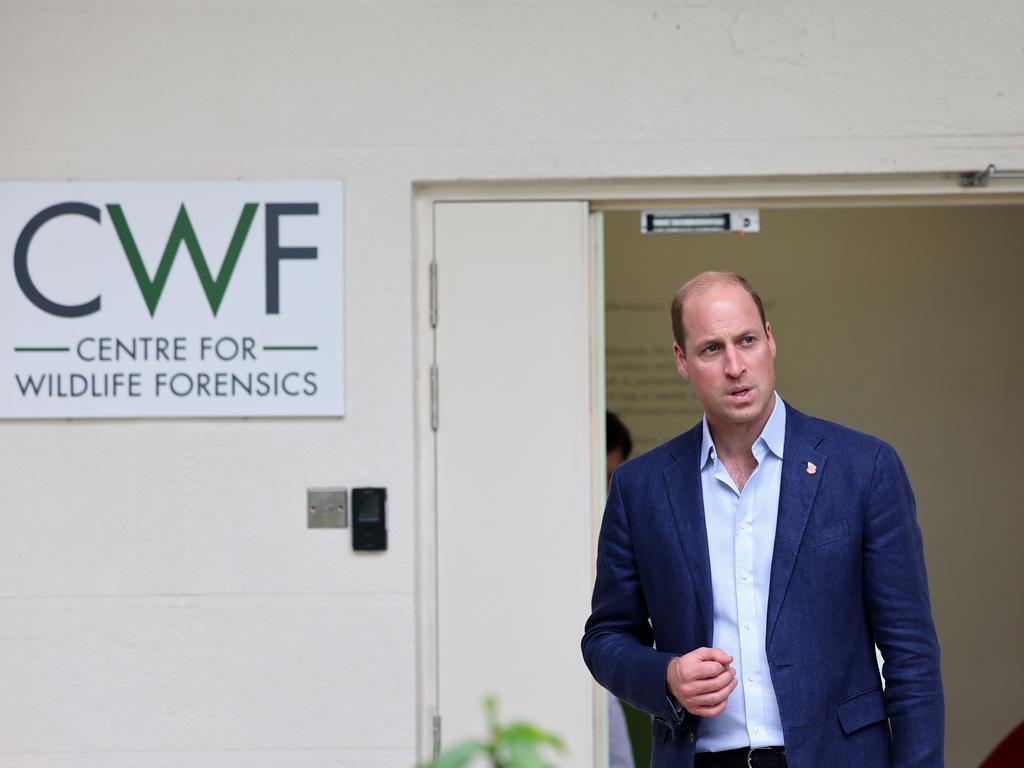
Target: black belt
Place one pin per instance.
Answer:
(744, 757)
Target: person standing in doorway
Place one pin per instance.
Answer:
(619, 445)
(748, 568)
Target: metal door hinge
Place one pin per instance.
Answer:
(433, 397)
(433, 294)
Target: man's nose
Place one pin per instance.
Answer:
(733, 362)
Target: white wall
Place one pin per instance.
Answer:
(161, 602)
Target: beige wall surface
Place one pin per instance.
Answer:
(161, 601)
(899, 322)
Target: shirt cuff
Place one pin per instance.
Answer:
(677, 708)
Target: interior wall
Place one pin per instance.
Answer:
(161, 600)
(895, 321)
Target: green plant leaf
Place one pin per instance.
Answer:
(491, 712)
(523, 754)
(458, 756)
(518, 745)
(525, 732)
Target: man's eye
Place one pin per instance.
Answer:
(711, 348)
(748, 339)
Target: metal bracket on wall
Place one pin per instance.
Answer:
(980, 178)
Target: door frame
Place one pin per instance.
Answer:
(868, 190)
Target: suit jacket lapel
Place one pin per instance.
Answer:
(796, 497)
(682, 479)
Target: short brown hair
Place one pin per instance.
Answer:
(701, 283)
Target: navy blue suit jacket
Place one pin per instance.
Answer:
(847, 572)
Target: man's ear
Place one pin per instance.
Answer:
(771, 337)
(681, 361)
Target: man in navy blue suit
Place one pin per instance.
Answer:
(748, 568)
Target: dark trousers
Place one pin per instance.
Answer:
(773, 757)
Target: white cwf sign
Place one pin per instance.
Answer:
(172, 299)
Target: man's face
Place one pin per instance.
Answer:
(730, 356)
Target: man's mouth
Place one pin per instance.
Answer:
(740, 393)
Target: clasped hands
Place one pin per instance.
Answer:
(702, 680)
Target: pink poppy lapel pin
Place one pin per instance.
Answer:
(811, 468)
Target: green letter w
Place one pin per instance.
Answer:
(182, 232)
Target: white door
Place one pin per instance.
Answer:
(519, 465)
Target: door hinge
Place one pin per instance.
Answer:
(433, 294)
(433, 397)
(437, 736)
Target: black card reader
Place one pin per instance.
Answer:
(369, 525)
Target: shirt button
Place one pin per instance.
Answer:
(756, 729)
(750, 678)
(747, 625)
(744, 575)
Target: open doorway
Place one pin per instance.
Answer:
(899, 321)
(894, 311)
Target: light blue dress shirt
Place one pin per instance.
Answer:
(741, 539)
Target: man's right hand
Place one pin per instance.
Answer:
(702, 680)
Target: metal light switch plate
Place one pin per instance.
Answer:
(327, 508)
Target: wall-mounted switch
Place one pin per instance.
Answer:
(327, 508)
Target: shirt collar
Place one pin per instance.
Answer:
(773, 436)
